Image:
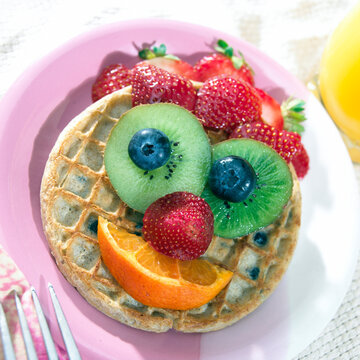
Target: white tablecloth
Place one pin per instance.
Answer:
(291, 32)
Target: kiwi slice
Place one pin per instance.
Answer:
(186, 169)
(272, 190)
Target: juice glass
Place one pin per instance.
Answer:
(339, 80)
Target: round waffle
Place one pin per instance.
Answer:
(75, 190)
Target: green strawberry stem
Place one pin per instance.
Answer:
(146, 54)
(238, 61)
(156, 51)
(292, 111)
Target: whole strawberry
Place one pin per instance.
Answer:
(301, 162)
(179, 225)
(286, 143)
(224, 62)
(270, 110)
(113, 77)
(289, 115)
(151, 84)
(224, 103)
(157, 56)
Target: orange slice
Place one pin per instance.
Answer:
(155, 279)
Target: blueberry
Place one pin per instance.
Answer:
(232, 178)
(149, 149)
(93, 225)
(254, 273)
(260, 238)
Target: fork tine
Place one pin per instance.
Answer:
(49, 343)
(8, 348)
(69, 341)
(29, 345)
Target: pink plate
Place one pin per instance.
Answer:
(53, 91)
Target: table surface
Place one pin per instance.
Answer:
(293, 33)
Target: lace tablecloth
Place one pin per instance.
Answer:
(291, 32)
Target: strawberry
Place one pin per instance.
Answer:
(270, 110)
(224, 103)
(157, 56)
(301, 162)
(151, 84)
(179, 225)
(224, 62)
(286, 143)
(288, 116)
(113, 77)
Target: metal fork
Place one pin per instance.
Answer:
(70, 344)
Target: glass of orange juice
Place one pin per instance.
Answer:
(339, 80)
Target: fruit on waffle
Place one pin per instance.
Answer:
(155, 279)
(184, 161)
(244, 230)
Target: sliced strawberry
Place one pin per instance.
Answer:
(286, 143)
(224, 103)
(301, 162)
(151, 84)
(179, 225)
(224, 62)
(113, 77)
(158, 57)
(270, 110)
